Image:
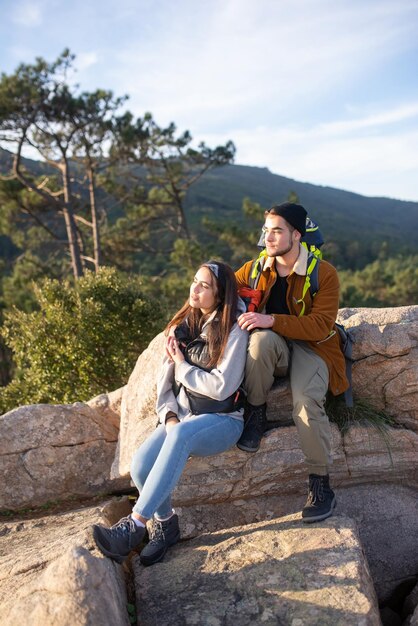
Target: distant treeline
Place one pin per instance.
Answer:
(117, 209)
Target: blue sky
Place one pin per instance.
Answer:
(323, 91)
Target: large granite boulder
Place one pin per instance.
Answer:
(385, 351)
(108, 405)
(385, 372)
(51, 573)
(381, 511)
(52, 452)
(238, 488)
(273, 572)
(138, 417)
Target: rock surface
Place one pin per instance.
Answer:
(49, 452)
(108, 405)
(385, 352)
(385, 372)
(273, 572)
(138, 417)
(381, 511)
(361, 456)
(51, 573)
(414, 618)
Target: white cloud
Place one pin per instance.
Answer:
(229, 61)
(28, 14)
(382, 161)
(316, 90)
(369, 165)
(399, 114)
(86, 59)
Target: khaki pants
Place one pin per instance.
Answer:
(268, 357)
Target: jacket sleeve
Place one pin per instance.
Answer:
(224, 380)
(317, 324)
(166, 400)
(242, 275)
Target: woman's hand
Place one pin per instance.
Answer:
(171, 423)
(173, 351)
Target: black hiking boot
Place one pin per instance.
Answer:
(162, 536)
(254, 428)
(321, 499)
(120, 539)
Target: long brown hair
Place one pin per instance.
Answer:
(226, 297)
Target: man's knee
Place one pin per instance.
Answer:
(267, 345)
(308, 410)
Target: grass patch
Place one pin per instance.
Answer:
(361, 413)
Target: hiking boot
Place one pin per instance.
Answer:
(254, 427)
(120, 539)
(321, 499)
(162, 536)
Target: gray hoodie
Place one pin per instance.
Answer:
(218, 384)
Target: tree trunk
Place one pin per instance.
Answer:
(5, 364)
(70, 224)
(182, 225)
(97, 253)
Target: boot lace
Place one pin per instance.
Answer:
(316, 491)
(256, 419)
(124, 526)
(157, 533)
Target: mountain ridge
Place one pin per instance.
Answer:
(345, 217)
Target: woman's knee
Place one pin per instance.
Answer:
(140, 468)
(145, 457)
(179, 434)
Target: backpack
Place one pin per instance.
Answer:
(312, 240)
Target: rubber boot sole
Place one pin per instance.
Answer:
(119, 558)
(149, 560)
(319, 518)
(245, 448)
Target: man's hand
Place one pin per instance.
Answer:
(249, 321)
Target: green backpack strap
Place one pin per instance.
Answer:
(312, 283)
(311, 280)
(256, 269)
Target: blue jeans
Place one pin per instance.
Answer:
(159, 462)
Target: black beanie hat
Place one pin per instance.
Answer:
(294, 214)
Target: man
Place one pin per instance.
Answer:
(294, 331)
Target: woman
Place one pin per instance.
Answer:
(199, 408)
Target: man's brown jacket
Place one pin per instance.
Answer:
(317, 325)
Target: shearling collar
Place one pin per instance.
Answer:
(299, 267)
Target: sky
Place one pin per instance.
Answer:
(321, 91)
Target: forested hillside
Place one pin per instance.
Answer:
(356, 228)
(355, 224)
(102, 231)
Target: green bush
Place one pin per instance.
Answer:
(385, 282)
(83, 340)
